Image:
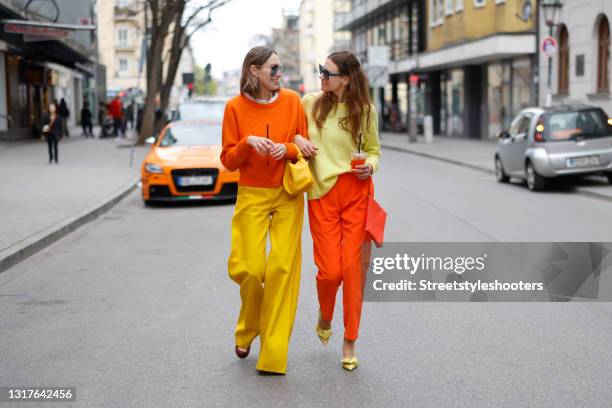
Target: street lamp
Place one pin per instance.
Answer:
(551, 9)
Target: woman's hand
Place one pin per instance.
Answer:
(279, 151)
(261, 145)
(363, 171)
(307, 148)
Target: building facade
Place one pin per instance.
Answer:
(468, 63)
(318, 37)
(580, 69)
(35, 71)
(122, 50)
(387, 36)
(121, 36)
(285, 40)
(478, 65)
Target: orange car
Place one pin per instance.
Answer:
(184, 164)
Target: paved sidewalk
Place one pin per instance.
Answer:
(477, 154)
(42, 202)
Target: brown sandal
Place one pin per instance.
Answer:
(242, 354)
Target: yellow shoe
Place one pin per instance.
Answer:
(350, 363)
(324, 335)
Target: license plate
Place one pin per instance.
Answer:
(583, 161)
(195, 181)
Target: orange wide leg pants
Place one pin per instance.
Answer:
(341, 251)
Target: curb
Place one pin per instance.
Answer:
(584, 193)
(434, 157)
(39, 241)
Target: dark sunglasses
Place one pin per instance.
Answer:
(275, 69)
(326, 74)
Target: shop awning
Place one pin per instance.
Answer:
(493, 48)
(54, 51)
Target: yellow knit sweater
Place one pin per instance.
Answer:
(336, 145)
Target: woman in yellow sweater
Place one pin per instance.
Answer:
(259, 126)
(341, 121)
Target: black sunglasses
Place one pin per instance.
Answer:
(275, 69)
(326, 74)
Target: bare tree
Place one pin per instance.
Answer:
(180, 19)
(162, 13)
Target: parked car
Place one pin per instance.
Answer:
(184, 164)
(203, 107)
(547, 143)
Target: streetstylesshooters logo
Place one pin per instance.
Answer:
(489, 272)
(458, 265)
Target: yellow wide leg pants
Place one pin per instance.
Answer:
(269, 282)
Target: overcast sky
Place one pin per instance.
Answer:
(226, 40)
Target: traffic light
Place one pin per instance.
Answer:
(207, 76)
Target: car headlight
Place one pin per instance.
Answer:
(154, 168)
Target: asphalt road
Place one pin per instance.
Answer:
(136, 310)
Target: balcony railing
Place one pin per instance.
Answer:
(125, 45)
(127, 13)
(342, 20)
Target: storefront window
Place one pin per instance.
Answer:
(396, 38)
(404, 34)
(443, 102)
(498, 96)
(455, 103)
(386, 112)
(22, 97)
(402, 98)
(521, 84)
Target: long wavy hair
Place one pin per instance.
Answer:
(256, 56)
(356, 96)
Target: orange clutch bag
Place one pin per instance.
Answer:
(375, 219)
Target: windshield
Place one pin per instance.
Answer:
(205, 134)
(578, 124)
(210, 110)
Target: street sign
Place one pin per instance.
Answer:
(377, 67)
(378, 56)
(549, 46)
(34, 31)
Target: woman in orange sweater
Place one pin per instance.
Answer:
(259, 127)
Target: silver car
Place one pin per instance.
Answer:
(545, 143)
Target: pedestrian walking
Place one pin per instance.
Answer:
(116, 112)
(344, 151)
(52, 131)
(64, 113)
(86, 121)
(259, 126)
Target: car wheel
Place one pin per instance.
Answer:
(610, 178)
(500, 175)
(535, 182)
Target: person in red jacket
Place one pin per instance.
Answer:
(116, 111)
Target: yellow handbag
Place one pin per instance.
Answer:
(297, 178)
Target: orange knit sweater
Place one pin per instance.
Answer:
(284, 118)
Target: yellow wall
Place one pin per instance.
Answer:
(473, 23)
